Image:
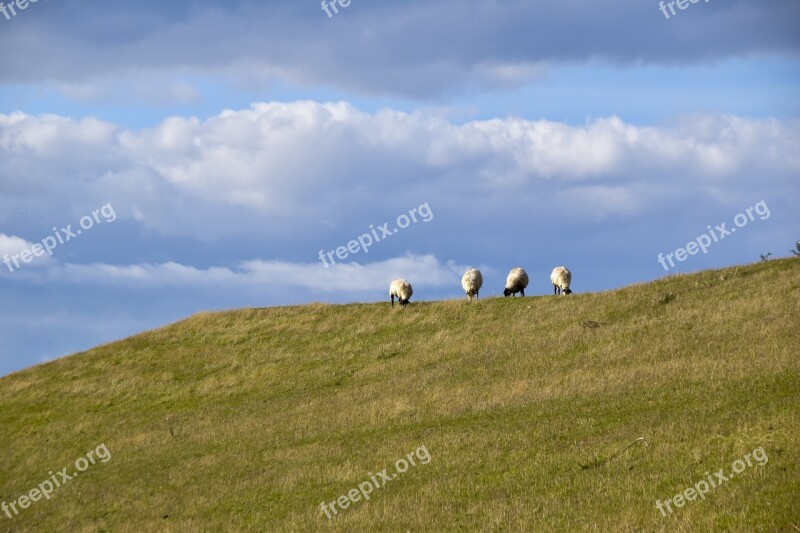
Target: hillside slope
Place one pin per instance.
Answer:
(528, 411)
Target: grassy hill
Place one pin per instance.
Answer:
(528, 410)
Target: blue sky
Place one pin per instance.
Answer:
(235, 141)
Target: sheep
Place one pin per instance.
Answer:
(561, 278)
(516, 282)
(402, 290)
(471, 282)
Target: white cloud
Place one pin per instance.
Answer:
(260, 275)
(279, 165)
(11, 246)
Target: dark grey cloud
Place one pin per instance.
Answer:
(412, 48)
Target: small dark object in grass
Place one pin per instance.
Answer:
(666, 298)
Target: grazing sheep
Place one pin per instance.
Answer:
(561, 278)
(516, 282)
(471, 282)
(402, 289)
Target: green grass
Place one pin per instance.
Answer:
(249, 419)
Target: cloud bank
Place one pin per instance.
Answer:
(328, 170)
(416, 48)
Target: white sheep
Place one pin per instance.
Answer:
(516, 282)
(561, 278)
(471, 282)
(402, 290)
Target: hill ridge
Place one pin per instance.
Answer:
(251, 418)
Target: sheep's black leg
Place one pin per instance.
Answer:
(392, 297)
(523, 292)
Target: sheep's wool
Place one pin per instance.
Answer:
(472, 281)
(401, 289)
(517, 280)
(561, 277)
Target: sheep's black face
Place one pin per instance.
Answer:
(507, 292)
(567, 291)
(404, 302)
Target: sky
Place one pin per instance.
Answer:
(159, 159)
